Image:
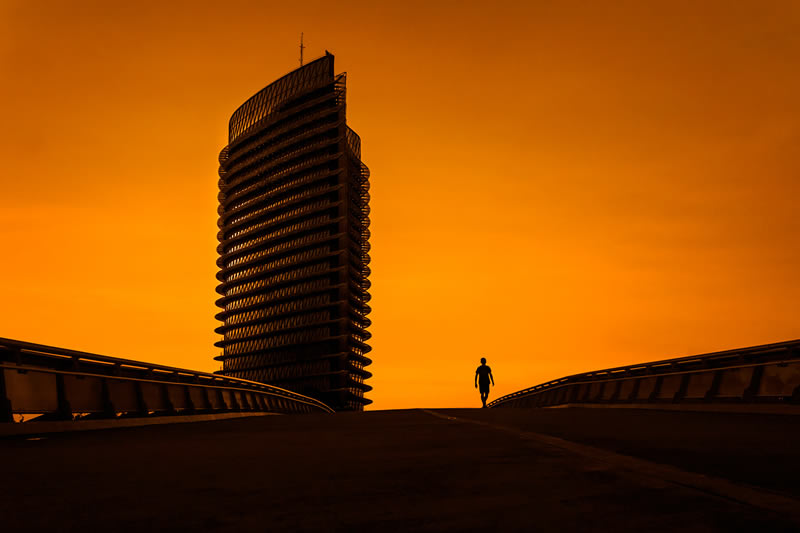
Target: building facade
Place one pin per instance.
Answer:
(294, 241)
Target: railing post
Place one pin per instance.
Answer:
(64, 409)
(108, 405)
(234, 406)
(190, 408)
(615, 395)
(222, 402)
(170, 408)
(534, 400)
(141, 405)
(712, 391)
(6, 414)
(755, 383)
(572, 394)
(587, 393)
(245, 405)
(682, 388)
(600, 391)
(207, 406)
(634, 390)
(17, 355)
(656, 389)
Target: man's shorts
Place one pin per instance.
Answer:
(484, 388)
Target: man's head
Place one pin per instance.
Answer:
(483, 360)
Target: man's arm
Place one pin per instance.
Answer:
(491, 377)
(476, 379)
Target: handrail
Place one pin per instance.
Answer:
(765, 354)
(180, 389)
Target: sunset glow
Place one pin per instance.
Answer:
(557, 188)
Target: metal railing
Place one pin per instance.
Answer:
(63, 384)
(766, 374)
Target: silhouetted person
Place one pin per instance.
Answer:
(482, 376)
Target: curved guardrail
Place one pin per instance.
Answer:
(60, 383)
(766, 374)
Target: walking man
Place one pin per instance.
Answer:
(482, 376)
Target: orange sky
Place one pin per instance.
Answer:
(558, 188)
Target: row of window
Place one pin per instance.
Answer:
(280, 145)
(314, 253)
(279, 203)
(306, 208)
(360, 338)
(360, 220)
(273, 325)
(300, 148)
(283, 292)
(280, 309)
(297, 369)
(360, 321)
(277, 248)
(358, 197)
(308, 112)
(274, 185)
(273, 357)
(357, 350)
(263, 103)
(262, 283)
(353, 142)
(357, 285)
(297, 226)
(294, 159)
(263, 343)
(246, 229)
(324, 161)
(271, 188)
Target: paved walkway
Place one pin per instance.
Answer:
(416, 470)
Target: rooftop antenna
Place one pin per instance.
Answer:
(301, 49)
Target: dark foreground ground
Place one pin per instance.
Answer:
(461, 470)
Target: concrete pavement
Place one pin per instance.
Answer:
(459, 470)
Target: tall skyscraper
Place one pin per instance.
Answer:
(294, 241)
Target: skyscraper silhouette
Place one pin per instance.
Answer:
(294, 241)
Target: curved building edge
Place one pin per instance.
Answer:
(294, 241)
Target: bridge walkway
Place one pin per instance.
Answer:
(413, 470)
